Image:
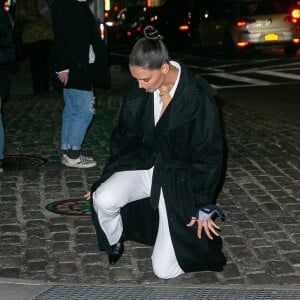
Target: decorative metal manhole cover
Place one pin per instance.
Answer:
(71, 207)
(21, 162)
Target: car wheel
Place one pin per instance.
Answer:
(291, 51)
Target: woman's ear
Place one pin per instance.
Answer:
(165, 68)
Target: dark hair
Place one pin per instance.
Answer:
(149, 52)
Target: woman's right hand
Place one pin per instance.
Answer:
(63, 77)
(88, 196)
(208, 225)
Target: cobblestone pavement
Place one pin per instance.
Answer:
(260, 195)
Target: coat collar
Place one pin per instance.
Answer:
(180, 109)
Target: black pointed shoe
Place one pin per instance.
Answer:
(116, 252)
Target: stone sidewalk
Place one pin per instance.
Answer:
(260, 196)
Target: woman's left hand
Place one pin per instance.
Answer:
(209, 226)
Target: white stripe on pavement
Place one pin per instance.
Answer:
(240, 78)
(279, 74)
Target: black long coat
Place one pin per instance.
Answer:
(7, 50)
(185, 148)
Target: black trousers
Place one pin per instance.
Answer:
(40, 59)
(4, 83)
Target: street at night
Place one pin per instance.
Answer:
(56, 251)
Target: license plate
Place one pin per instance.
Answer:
(271, 37)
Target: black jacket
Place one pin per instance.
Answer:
(7, 49)
(75, 29)
(6, 39)
(185, 148)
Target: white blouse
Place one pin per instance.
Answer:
(157, 102)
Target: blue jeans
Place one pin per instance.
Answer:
(1, 134)
(77, 116)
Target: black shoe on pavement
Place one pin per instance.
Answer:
(116, 253)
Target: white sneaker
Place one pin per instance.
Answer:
(87, 158)
(82, 162)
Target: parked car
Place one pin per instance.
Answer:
(247, 24)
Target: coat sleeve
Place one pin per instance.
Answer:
(206, 151)
(7, 51)
(62, 28)
(6, 38)
(124, 139)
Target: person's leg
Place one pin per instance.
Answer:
(34, 58)
(82, 108)
(3, 94)
(117, 191)
(1, 137)
(4, 83)
(66, 120)
(44, 68)
(77, 115)
(164, 261)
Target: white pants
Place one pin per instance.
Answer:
(125, 187)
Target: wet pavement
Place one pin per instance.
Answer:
(260, 196)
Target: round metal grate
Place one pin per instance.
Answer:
(21, 162)
(71, 207)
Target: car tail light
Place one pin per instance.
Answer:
(295, 13)
(242, 44)
(184, 28)
(296, 41)
(294, 16)
(244, 23)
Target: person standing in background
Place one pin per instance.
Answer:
(7, 56)
(33, 18)
(76, 43)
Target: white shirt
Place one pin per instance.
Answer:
(157, 102)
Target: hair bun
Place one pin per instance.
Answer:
(151, 33)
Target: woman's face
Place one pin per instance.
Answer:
(150, 80)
